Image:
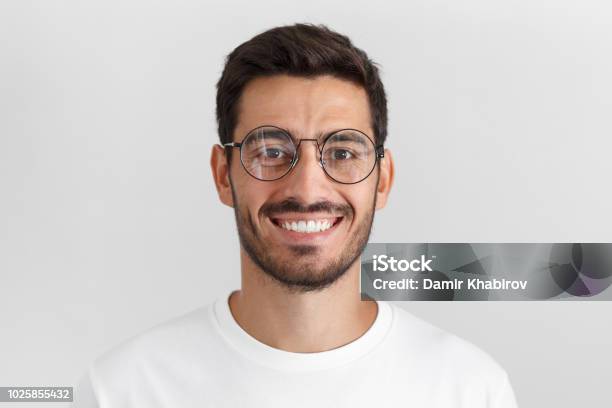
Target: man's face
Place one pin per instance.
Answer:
(267, 210)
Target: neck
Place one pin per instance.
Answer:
(301, 322)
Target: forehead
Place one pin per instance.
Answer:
(307, 107)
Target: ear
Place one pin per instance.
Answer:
(385, 181)
(220, 172)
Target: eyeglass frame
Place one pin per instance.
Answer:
(378, 150)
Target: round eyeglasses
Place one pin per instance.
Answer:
(347, 156)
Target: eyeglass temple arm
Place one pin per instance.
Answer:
(232, 144)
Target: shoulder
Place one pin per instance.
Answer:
(173, 341)
(445, 353)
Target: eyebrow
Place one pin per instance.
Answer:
(348, 136)
(275, 134)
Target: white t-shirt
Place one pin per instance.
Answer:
(205, 359)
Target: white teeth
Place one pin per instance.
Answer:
(307, 226)
(311, 226)
(301, 226)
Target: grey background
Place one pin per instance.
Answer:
(109, 221)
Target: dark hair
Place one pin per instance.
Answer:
(302, 50)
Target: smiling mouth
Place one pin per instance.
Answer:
(307, 225)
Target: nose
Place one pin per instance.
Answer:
(307, 182)
(309, 153)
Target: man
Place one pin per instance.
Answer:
(302, 122)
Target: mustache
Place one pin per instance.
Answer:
(271, 209)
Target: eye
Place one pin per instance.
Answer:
(341, 154)
(270, 153)
(273, 153)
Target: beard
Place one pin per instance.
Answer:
(302, 270)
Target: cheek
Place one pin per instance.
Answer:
(368, 196)
(360, 198)
(250, 197)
